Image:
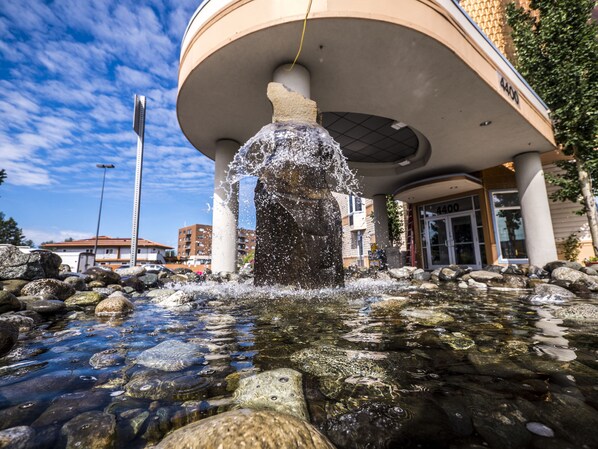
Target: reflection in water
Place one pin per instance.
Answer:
(552, 340)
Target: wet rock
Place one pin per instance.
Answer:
(69, 405)
(583, 313)
(278, 390)
(133, 283)
(36, 265)
(170, 355)
(247, 428)
(536, 272)
(514, 269)
(515, 281)
(485, 276)
(159, 293)
(551, 292)
(501, 424)
(105, 275)
(20, 437)
(574, 276)
(131, 271)
(8, 302)
(589, 271)
(48, 287)
(421, 275)
(458, 341)
(108, 357)
(540, 429)
(427, 317)
(116, 304)
(401, 274)
(90, 430)
(497, 365)
(77, 283)
(130, 422)
(514, 348)
(471, 283)
(21, 414)
(23, 323)
(450, 273)
(46, 306)
(428, 286)
(96, 284)
(157, 385)
(9, 335)
(45, 386)
(390, 304)
(462, 284)
(13, 286)
(83, 299)
(150, 280)
(179, 300)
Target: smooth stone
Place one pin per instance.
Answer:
(21, 414)
(428, 286)
(114, 305)
(107, 276)
(157, 385)
(574, 276)
(177, 300)
(471, 283)
(132, 284)
(497, 365)
(46, 306)
(108, 357)
(19, 437)
(280, 390)
(90, 430)
(250, 429)
(8, 302)
(515, 281)
(48, 287)
(23, 323)
(427, 317)
(583, 313)
(96, 284)
(400, 274)
(159, 292)
(540, 429)
(131, 271)
(551, 292)
(485, 276)
(149, 280)
(76, 282)
(69, 405)
(170, 355)
(589, 271)
(458, 341)
(83, 299)
(45, 386)
(450, 273)
(13, 286)
(390, 304)
(9, 335)
(421, 275)
(551, 266)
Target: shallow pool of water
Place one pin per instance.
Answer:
(384, 366)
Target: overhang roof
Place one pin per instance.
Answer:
(421, 62)
(104, 241)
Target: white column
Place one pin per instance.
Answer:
(225, 213)
(297, 79)
(381, 222)
(535, 210)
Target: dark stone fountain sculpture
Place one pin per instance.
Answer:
(298, 221)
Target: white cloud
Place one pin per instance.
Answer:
(57, 235)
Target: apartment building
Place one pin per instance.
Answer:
(194, 243)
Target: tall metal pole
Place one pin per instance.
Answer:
(104, 166)
(139, 127)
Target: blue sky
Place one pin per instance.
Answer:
(68, 72)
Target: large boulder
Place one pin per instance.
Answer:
(551, 266)
(104, 275)
(569, 275)
(250, 429)
(15, 264)
(48, 287)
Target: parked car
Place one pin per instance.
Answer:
(156, 268)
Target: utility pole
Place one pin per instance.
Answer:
(95, 247)
(139, 127)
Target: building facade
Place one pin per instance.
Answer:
(111, 250)
(194, 243)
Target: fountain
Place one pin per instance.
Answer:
(298, 221)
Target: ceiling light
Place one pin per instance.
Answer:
(486, 123)
(398, 125)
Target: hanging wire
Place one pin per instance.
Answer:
(302, 36)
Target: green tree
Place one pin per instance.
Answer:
(9, 230)
(557, 52)
(396, 223)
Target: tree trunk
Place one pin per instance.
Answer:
(586, 190)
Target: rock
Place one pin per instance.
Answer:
(96, 284)
(48, 287)
(170, 355)
(8, 302)
(589, 271)
(77, 283)
(249, 429)
(421, 275)
(67, 406)
(13, 286)
(427, 317)
(172, 386)
(150, 280)
(108, 357)
(20, 437)
(36, 265)
(90, 430)
(131, 271)
(428, 286)
(583, 313)
(279, 390)
(179, 300)
(539, 429)
(450, 273)
(105, 275)
(536, 272)
(574, 276)
(497, 365)
(550, 293)
(515, 281)
(462, 284)
(551, 266)
(458, 341)
(133, 282)
(485, 276)
(161, 292)
(400, 274)
(46, 306)
(479, 285)
(23, 323)
(9, 334)
(115, 304)
(21, 414)
(82, 299)
(389, 304)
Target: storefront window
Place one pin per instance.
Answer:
(508, 225)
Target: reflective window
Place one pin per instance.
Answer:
(508, 225)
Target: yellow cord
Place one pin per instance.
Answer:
(302, 36)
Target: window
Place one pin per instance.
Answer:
(355, 206)
(508, 226)
(110, 251)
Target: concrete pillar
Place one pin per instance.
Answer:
(539, 236)
(297, 79)
(225, 214)
(381, 222)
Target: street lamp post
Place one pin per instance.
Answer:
(104, 166)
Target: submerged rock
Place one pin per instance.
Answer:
(458, 341)
(156, 384)
(90, 430)
(584, 313)
(427, 317)
(170, 355)
(278, 390)
(550, 292)
(108, 357)
(20, 437)
(249, 429)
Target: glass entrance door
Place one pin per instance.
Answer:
(452, 239)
